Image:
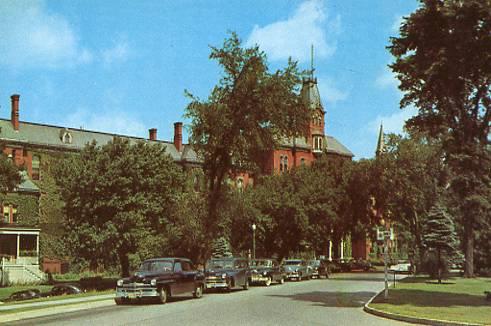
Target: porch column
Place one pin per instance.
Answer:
(330, 250)
(342, 249)
(37, 247)
(18, 245)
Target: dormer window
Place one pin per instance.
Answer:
(65, 136)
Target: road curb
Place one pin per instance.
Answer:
(53, 310)
(409, 319)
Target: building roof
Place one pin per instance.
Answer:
(53, 136)
(333, 146)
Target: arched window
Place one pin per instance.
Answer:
(302, 161)
(286, 163)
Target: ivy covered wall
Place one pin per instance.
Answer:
(27, 207)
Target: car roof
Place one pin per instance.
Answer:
(168, 258)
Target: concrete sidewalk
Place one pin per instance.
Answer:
(17, 306)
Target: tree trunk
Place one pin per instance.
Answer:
(125, 264)
(469, 250)
(439, 265)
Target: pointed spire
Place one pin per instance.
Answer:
(380, 143)
(312, 61)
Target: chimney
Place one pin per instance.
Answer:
(152, 134)
(15, 111)
(178, 136)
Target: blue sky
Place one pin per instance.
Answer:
(123, 66)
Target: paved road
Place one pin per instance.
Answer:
(336, 301)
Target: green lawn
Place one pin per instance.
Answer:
(462, 301)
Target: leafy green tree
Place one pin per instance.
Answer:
(413, 173)
(246, 114)
(118, 200)
(9, 175)
(442, 59)
(439, 234)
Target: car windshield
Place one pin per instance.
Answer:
(315, 263)
(262, 263)
(220, 263)
(293, 262)
(156, 266)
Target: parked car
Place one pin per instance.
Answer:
(63, 289)
(160, 278)
(361, 264)
(266, 271)
(319, 267)
(24, 295)
(227, 273)
(402, 266)
(297, 269)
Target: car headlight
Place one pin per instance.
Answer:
(119, 283)
(265, 273)
(224, 275)
(153, 282)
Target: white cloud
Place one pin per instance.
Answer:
(392, 123)
(118, 53)
(329, 92)
(398, 19)
(33, 36)
(387, 79)
(294, 36)
(111, 121)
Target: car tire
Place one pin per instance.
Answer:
(246, 285)
(268, 281)
(282, 280)
(198, 291)
(162, 295)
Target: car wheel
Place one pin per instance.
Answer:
(268, 281)
(282, 280)
(246, 285)
(198, 291)
(162, 295)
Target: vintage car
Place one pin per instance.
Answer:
(297, 269)
(266, 271)
(160, 278)
(227, 273)
(24, 295)
(319, 267)
(63, 289)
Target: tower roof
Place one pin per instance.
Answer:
(310, 94)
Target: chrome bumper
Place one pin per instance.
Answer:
(136, 291)
(258, 278)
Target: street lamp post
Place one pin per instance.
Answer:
(254, 241)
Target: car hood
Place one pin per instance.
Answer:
(140, 276)
(261, 269)
(292, 268)
(220, 271)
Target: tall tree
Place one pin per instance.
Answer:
(439, 234)
(118, 199)
(246, 114)
(443, 62)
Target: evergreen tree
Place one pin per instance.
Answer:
(439, 235)
(221, 248)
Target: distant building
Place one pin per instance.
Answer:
(35, 147)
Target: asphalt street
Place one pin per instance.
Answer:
(335, 301)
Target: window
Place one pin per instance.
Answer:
(36, 162)
(177, 267)
(317, 143)
(240, 184)
(9, 213)
(302, 161)
(283, 163)
(186, 266)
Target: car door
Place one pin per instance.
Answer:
(179, 286)
(189, 276)
(276, 273)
